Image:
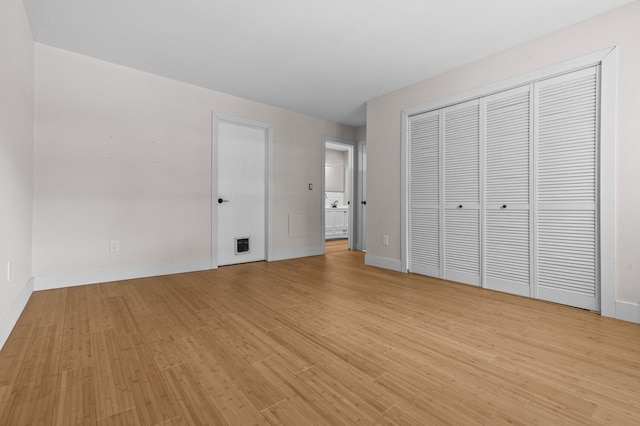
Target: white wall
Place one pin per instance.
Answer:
(16, 163)
(617, 28)
(361, 133)
(122, 154)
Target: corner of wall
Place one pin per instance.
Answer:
(17, 104)
(11, 318)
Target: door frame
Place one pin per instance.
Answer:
(351, 182)
(361, 207)
(216, 119)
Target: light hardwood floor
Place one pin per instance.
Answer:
(321, 340)
(333, 246)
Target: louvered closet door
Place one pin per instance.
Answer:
(424, 194)
(567, 132)
(462, 192)
(507, 254)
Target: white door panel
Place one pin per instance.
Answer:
(461, 149)
(507, 243)
(424, 194)
(567, 171)
(242, 189)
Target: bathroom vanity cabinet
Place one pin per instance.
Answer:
(336, 223)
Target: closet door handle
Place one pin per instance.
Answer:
(460, 206)
(504, 206)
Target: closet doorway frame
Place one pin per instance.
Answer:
(607, 59)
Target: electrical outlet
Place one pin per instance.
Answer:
(115, 246)
(385, 240)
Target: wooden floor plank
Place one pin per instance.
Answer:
(225, 362)
(112, 388)
(124, 418)
(76, 401)
(316, 340)
(76, 336)
(97, 304)
(196, 405)
(33, 394)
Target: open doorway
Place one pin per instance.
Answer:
(339, 183)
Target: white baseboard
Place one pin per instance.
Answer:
(383, 262)
(628, 312)
(72, 279)
(296, 253)
(9, 321)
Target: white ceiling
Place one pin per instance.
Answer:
(324, 58)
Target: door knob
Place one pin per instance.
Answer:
(220, 201)
(363, 202)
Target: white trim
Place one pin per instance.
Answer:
(404, 195)
(607, 192)
(269, 195)
(383, 262)
(360, 239)
(627, 312)
(544, 73)
(215, 121)
(11, 318)
(219, 117)
(233, 119)
(323, 192)
(296, 253)
(102, 275)
(441, 197)
(352, 179)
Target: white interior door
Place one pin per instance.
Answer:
(567, 182)
(507, 248)
(424, 194)
(462, 193)
(241, 197)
